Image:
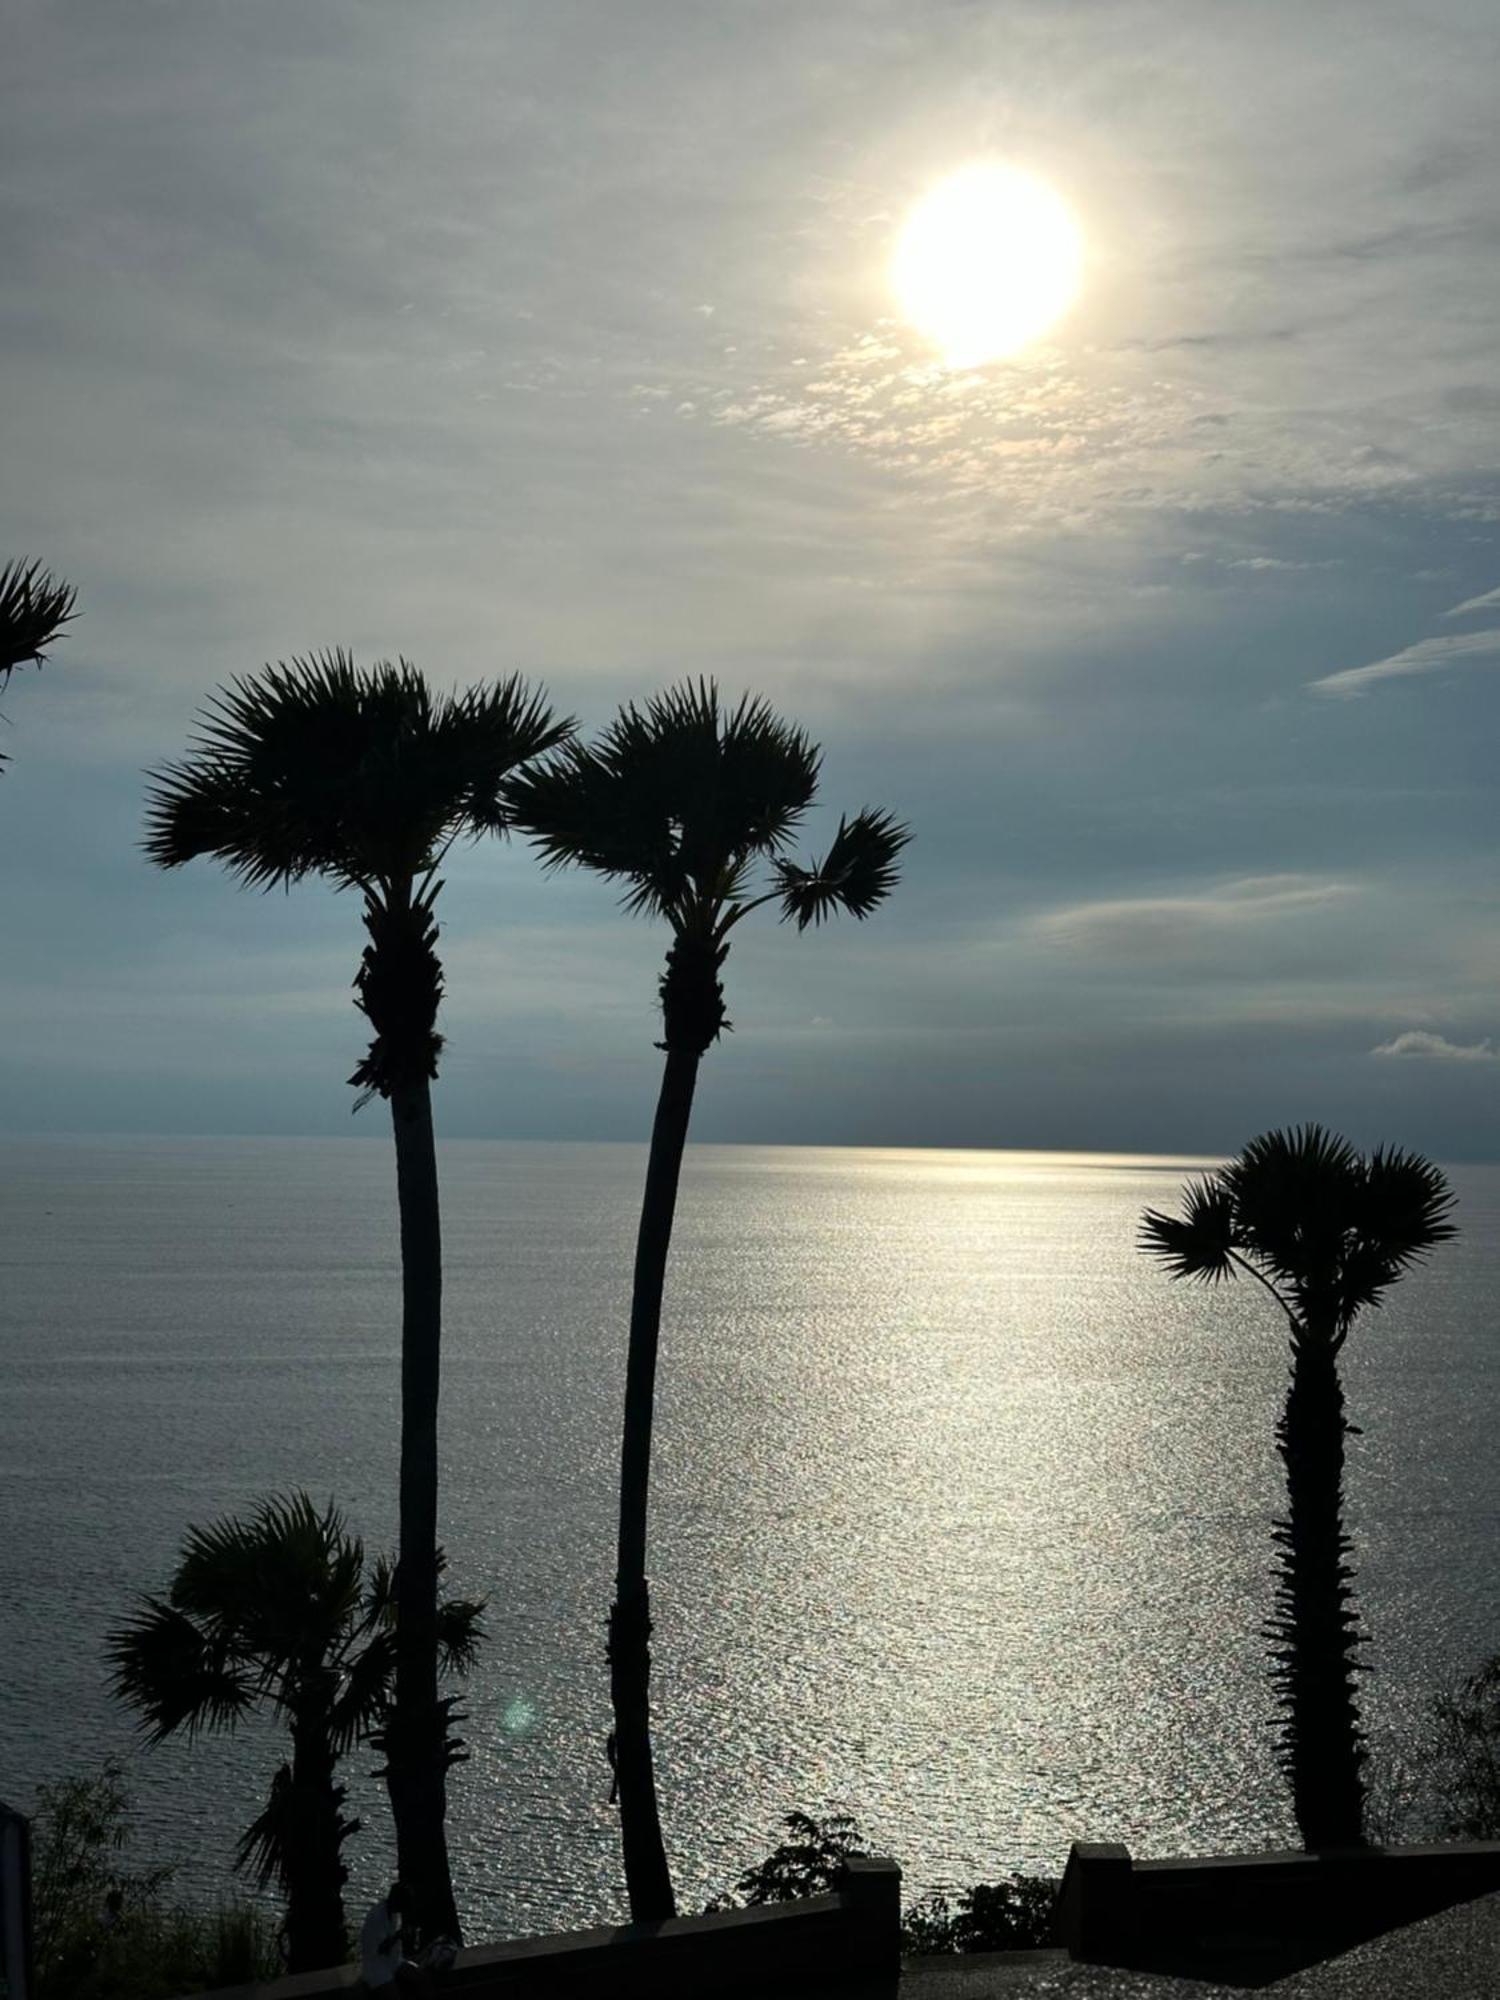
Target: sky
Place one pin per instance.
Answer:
(558, 337)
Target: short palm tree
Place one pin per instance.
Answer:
(367, 777)
(279, 1609)
(684, 802)
(34, 607)
(1326, 1233)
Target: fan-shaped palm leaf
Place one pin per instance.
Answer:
(858, 872)
(1199, 1243)
(178, 1675)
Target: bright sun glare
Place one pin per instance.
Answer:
(987, 262)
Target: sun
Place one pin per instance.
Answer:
(986, 262)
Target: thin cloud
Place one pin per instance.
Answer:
(1428, 656)
(1153, 927)
(1420, 1043)
(1489, 602)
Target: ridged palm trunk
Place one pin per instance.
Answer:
(647, 1878)
(416, 1736)
(399, 988)
(1316, 1628)
(693, 1014)
(316, 1936)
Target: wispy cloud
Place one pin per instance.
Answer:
(1162, 927)
(1421, 1043)
(1489, 602)
(1428, 656)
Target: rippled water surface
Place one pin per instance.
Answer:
(960, 1512)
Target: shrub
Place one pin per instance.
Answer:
(103, 1932)
(1016, 1914)
(809, 1863)
(1467, 1728)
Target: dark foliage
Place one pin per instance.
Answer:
(1015, 1914)
(104, 1931)
(809, 1862)
(34, 607)
(1467, 1754)
(1018, 1913)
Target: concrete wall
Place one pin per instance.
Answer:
(813, 1945)
(1114, 1909)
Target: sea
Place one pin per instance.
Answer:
(961, 1510)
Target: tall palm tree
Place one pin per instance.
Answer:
(34, 607)
(367, 777)
(279, 1609)
(684, 802)
(1326, 1233)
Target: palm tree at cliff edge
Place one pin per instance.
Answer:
(367, 777)
(684, 802)
(280, 1609)
(1325, 1232)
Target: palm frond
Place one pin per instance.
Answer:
(34, 607)
(460, 1623)
(283, 1585)
(1294, 1193)
(176, 1674)
(264, 1849)
(857, 874)
(365, 1694)
(1200, 1242)
(1405, 1204)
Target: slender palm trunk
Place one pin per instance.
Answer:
(647, 1879)
(416, 1736)
(316, 1936)
(1316, 1628)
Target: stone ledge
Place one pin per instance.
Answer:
(815, 1944)
(1114, 1910)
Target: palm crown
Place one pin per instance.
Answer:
(682, 800)
(1324, 1229)
(277, 1608)
(321, 767)
(367, 777)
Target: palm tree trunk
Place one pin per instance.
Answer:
(647, 1878)
(315, 1874)
(416, 1736)
(1316, 1629)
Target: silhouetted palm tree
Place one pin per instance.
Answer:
(367, 777)
(1325, 1232)
(683, 802)
(279, 1609)
(34, 607)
